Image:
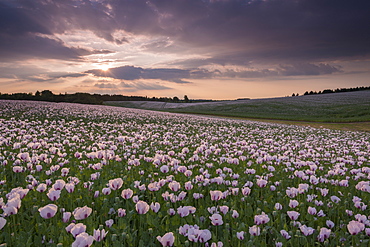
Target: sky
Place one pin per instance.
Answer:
(205, 49)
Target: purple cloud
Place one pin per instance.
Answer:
(135, 73)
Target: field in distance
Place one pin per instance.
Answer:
(349, 111)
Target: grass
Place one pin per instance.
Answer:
(350, 126)
(345, 111)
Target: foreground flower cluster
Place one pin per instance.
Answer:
(78, 175)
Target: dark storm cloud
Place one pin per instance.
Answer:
(26, 34)
(312, 30)
(30, 46)
(228, 32)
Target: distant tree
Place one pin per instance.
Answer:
(293, 94)
(47, 93)
(37, 94)
(328, 91)
(176, 99)
(186, 99)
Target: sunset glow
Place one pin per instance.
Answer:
(104, 68)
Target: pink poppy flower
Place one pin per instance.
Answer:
(324, 234)
(174, 186)
(53, 194)
(188, 185)
(66, 216)
(10, 210)
(240, 235)
(306, 230)
(312, 210)
(330, 224)
(285, 234)
(59, 184)
(115, 184)
(64, 172)
(171, 211)
(224, 209)
(204, 235)
(17, 169)
(76, 229)
(254, 230)
(2, 222)
(121, 212)
(106, 191)
(83, 240)
(261, 219)
(99, 235)
(109, 223)
(82, 213)
(278, 206)
(41, 187)
(261, 183)
(127, 193)
(354, 227)
(293, 215)
(142, 207)
(167, 240)
(246, 191)
(70, 187)
(216, 219)
(216, 195)
(155, 207)
(164, 169)
(48, 211)
(293, 203)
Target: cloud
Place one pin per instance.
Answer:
(132, 86)
(182, 41)
(32, 73)
(182, 76)
(283, 30)
(308, 69)
(105, 85)
(135, 73)
(31, 46)
(65, 75)
(139, 85)
(25, 36)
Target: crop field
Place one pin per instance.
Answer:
(82, 175)
(336, 107)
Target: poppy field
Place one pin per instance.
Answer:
(83, 175)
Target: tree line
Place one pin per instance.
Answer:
(87, 98)
(98, 99)
(338, 90)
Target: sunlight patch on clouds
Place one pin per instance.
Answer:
(141, 50)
